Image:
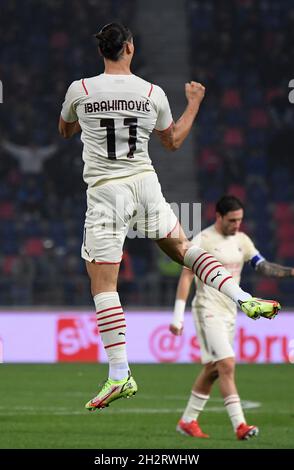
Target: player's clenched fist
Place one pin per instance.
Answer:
(176, 330)
(194, 91)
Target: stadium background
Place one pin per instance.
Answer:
(242, 144)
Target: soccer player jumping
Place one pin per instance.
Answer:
(117, 112)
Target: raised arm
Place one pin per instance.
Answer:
(14, 149)
(48, 151)
(173, 137)
(183, 289)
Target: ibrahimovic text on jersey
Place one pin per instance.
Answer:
(117, 114)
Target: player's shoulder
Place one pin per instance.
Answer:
(158, 91)
(243, 237)
(76, 87)
(141, 81)
(142, 85)
(86, 85)
(203, 236)
(153, 90)
(92, 81)
(245, 241)
(209, 232)
(85, 82)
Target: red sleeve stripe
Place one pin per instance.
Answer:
(107, 309)
(114, 344)
(226, 279)
(108, 316)
(164, 130)
(150, 91)
(111, 322)
(206, 266)
(210, 271)
(84, 86)
(115, 328)
(203, 254)
(204, 259)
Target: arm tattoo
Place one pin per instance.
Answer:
(274, 270)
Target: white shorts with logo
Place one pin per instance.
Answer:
(133, 204)
(215, 334)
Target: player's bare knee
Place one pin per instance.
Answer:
(211, 371)
(180, 256)
(103, 277)
(182, 248)
(214, 375)
(226, 367)
(175, 246)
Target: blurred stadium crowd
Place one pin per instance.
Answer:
(240, 49)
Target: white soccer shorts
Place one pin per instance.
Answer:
(215, 334)
(135, 205)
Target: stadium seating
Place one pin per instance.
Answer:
(253, 134)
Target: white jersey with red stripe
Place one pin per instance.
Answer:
(117, 114)
(232, 251)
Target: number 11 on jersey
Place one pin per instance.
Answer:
(131, 123)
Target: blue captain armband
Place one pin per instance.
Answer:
(256, 260)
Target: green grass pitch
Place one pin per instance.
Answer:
(42, 406)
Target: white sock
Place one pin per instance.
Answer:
(112, 328)
(118, 371)
(196, 403)
(211, 272)
(234, 409)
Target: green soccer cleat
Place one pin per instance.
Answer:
(112, 390)
(256, 308)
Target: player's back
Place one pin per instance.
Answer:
(117, 114)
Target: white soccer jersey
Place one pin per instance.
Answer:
(117, 114)
(232, 251)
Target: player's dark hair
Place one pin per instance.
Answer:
(227, 204)
(111, 39)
